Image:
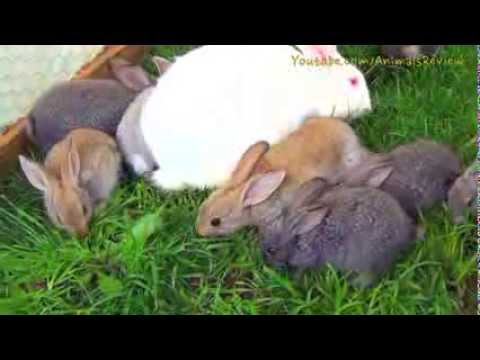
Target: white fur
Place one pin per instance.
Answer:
(130, 138)
(218, 100)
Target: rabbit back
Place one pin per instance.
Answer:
(424, 173)
(100, 161)
(96, 104)
(364, 232)
(197, 129)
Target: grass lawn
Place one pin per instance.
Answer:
(143, 256)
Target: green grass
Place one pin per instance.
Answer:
(143, 256)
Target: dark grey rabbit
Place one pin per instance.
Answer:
(360, 231)
(420, 176)
(463, 195)
(409, 51)
(96, 103)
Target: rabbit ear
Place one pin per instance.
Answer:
(71, 167)
(309, 191)
(248, 162)
(133, 77)
(379, 176)
(34, 173)
(261, 187)
(373, 172)
(323, 52)
(162, 64)
(310, 218)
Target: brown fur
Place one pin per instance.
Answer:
(317, 148)
(79, 172)
(320, 148)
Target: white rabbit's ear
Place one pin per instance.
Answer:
(35, 173)
(321, 51)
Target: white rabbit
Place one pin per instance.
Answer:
(218, 100)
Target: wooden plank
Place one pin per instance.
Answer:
(13, 140)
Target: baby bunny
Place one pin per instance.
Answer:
(266, 176)
(217, 100)
(418, 175)
(409, 51)
(360, 231)
(79, 172)
(463, 195)
(93, 103)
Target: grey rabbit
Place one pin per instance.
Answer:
(94, 103)
(463, 195)
(360, 231)
(409, 51)
(421, 174)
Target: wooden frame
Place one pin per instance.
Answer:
(13, 140)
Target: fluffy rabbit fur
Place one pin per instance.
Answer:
(79, 172)
(265, 177)
(94, 103)
(129, 134)
(420, 176)
(217, 100)
(360, 231)
(462, 197)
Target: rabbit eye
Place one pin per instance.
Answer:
(216, 222)
(271, 251)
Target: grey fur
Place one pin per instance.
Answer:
(360, 231)
(97, 104)
(423, 172)
(463, 195)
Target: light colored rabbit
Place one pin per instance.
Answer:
(265, 178)
(129, 134)
(79, 172)
(217, 100)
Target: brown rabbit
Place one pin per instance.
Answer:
(79, 172)
(320, 148)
